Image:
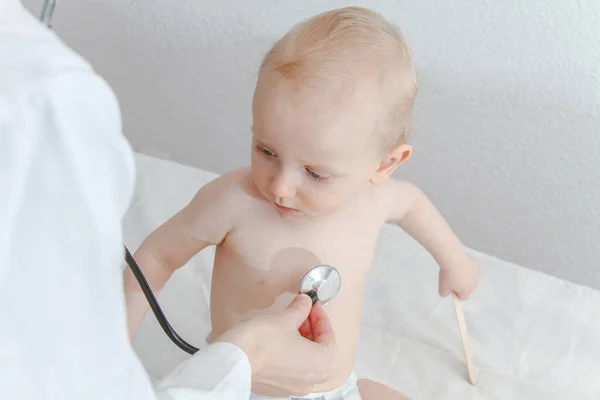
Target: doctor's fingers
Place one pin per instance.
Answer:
(322, 331)
(297, 311)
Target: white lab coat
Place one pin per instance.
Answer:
(66, 179)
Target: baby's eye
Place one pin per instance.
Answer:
(316, 176)
(266, 152)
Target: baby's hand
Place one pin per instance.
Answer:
(460, 279)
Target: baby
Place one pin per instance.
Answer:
(331, 117)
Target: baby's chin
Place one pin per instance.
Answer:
(289, 210)
(293, 211)
(312, 213)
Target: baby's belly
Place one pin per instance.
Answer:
(239, 292)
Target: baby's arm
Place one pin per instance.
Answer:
(204, 221)
(414, 212)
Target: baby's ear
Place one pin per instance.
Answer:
(391, 161)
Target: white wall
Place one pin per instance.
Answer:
(508, 120)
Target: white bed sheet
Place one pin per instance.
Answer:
(533, 336)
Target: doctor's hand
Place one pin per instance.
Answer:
(290, 351)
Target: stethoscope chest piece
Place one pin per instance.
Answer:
(322, 283)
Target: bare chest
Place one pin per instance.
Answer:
(272, 250)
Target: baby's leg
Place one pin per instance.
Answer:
(370, 390)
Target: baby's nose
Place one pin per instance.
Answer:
(283, 185)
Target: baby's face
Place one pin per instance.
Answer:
(310, 157)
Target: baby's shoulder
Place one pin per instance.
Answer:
(223, 189)
(232, 179)
(396, 187)
(386, 191)
(391, 195)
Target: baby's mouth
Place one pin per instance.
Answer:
(285, 210)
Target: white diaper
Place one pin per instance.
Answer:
(348, 391)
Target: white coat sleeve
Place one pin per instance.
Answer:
(66, 180)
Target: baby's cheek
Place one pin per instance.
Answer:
(260, 177)
(324, 203)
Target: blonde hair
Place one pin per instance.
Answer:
(352, 43)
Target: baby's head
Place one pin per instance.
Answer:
(332, 110)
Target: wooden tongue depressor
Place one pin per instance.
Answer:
(462, 326)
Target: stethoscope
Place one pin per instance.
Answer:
(322, 283)
(47, 11)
